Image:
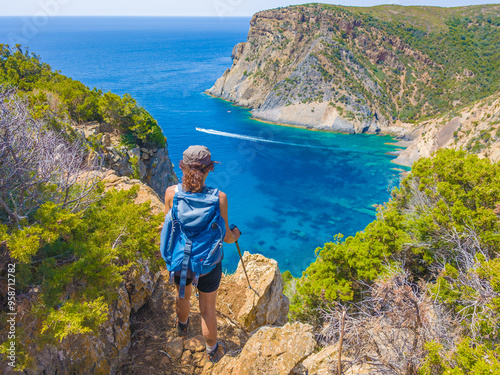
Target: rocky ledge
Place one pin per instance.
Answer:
(150, 165)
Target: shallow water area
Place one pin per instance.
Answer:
(290, 190)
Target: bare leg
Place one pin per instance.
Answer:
(208, 317)
(182, 305)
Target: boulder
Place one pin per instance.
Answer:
(265, 303)
(271, 350)
(187, 358)
(174, 348)
(106, 140)
(134, 153)
(195, 344)
(322, 363)
(142, 170)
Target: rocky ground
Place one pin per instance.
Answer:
(251, 323)
(155, 346)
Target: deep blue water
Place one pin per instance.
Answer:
(290, 190)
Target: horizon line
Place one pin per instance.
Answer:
(249, 15)
(115, 15)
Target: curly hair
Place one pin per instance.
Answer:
(192, 175)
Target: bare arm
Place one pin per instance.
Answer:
(231, 235)
(169, 198)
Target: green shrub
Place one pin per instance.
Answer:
(60, 98)
(469, 358)
(78, 259)
(448, 193)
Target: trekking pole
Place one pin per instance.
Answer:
(243, 264)
(241, 257)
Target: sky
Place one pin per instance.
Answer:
(197, 8)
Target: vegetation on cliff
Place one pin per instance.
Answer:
(61, 100)
(441, 230)
(71, 244)
(474, 128)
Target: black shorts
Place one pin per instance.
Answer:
(207, 283)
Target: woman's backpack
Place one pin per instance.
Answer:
(192, 236)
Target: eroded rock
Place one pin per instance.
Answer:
(265, 303)
(89, 353)
(145, 193)
(271, 350)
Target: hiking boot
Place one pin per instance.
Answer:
(218, 353)
(182, 329)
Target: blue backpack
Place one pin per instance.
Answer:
(191, 238)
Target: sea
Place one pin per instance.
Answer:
(290, 190)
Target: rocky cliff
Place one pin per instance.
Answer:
(241, 314)
(354, 69)
(90, 353)
(150, 165)
(475, 128)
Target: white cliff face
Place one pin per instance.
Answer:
(475, 128)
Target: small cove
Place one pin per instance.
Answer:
(290, 189)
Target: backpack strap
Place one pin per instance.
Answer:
(184, 269)
(212, 191)
(196, 278)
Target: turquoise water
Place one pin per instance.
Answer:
(290, 190)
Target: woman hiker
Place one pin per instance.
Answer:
(196, 165)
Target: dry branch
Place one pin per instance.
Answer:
(39, 164)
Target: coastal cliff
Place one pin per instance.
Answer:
(475, 128)
(354, 70)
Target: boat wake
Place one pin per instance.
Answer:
(259, 139)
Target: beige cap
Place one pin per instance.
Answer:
(197, 154)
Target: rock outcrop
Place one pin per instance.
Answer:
(265, 303)
(271, 350)
(475, 128)
(150, 165)
(145, 194)
(96, 354)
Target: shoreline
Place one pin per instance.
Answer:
(400, 143)
(306, 127)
